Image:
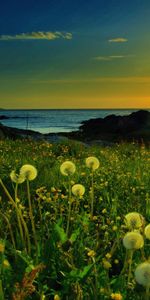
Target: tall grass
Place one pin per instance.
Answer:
(85, 259)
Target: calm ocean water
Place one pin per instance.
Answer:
(53, 120)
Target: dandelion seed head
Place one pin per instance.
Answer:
(29, 172)
(133, 240)
(67, 168)
(142, 274)
(134, 220)
(17, 178)
(147, 231)
(92, 162)
(78, 190)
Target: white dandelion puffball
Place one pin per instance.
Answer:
(29, 172)
(134, 220)
(147, 231)
(92, 162)
(67, 168)
(133, 240)
(17, 178)
(142, 274)
(78, 190)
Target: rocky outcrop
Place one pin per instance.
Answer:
(115, 128)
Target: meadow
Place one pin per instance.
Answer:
(74, 221)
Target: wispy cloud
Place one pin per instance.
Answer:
(39, 35)
(118, 40)
(109, 57)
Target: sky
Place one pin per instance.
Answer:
(75, 54)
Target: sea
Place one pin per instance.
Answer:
(54, 120)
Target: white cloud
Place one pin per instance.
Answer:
(109, 57)
(118, 40)
(39, 35)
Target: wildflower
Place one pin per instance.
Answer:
(91, 253)
(28, 171)
(92, 163)
(133, 240)
(114, 228)
(142, 274)
(147, 231)
(134, 220)
(108, 255)
(6, 264)
(106, 264)
(67, 168)
(17, 178)
(116, 261)
(104, 211)
(53, 190)
(78, 190)
(56, 297)
(116, 296)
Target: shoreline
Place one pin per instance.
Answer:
(107, 130)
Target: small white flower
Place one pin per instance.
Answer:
(147, 231)
(92, 162)
(17, 178)
(133, 240)
(67, 168)
(142, 274)
(78, 190)
(29, 172)
(134, 220)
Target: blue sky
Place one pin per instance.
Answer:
(59, 53)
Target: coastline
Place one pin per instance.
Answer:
(110, 129)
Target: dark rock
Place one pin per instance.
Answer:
(115, 128)
(3, 117)
(105, 131)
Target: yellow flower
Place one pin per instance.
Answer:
(142, 274)
(28, 171)
(116, 296)
(134, 220)
(133, 240)
(67, 168)
(56, 297)
(6, 264)
(106, 264)
(108, 255)
(147, 231)
(91, 253)
(92, 162)
(116, 261)
(78, 190)
(17, 178)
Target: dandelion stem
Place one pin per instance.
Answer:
(130, 265)
(69, 210)
(18, 215)
(18, 212)
(92, 195)
(10, 229)
(32, 219)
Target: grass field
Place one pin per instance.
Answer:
(59, 240)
